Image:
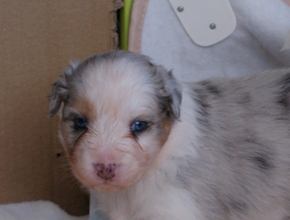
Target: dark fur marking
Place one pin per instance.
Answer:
(251, 138)
(262, 161)
(213, 89)
(164, 105)
(284, 100)
(201, 99)
(282, 119)
(238, 206)
(203, 92)
(284, 96)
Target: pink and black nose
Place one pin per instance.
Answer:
(106, 172)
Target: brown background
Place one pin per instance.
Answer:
(37, 40)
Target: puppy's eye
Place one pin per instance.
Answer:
(80, 123)
(138, 126)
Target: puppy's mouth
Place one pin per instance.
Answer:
(100, 185)
(105, 179)
(110, 185)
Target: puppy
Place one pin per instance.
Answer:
(154, 148)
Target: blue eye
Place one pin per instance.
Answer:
(139, 126)
(80, 123)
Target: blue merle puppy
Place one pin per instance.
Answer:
(153, 148)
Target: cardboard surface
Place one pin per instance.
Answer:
(37, 40)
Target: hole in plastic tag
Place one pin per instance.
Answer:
(207, 22)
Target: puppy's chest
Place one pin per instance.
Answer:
(150, 201)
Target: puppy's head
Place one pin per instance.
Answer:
(116, 112)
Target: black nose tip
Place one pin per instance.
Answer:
(106, 172)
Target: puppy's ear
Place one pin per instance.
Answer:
(170, 91)
(59, 91)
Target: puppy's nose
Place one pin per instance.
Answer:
(105, 172)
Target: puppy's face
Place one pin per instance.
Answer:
(116, 116)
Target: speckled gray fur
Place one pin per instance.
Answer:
(244, 151)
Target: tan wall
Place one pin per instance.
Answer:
(37, 39)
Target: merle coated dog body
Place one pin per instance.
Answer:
(158, 149)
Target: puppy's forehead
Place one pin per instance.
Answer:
(117, 72)
(120, 85)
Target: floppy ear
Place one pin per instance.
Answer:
(59, 92)
(170, 90)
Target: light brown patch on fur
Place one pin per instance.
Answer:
(85, 107)
(166, 125)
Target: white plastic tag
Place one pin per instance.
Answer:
(207, 22)
(286, 45)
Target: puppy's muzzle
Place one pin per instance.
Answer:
(106, 172)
